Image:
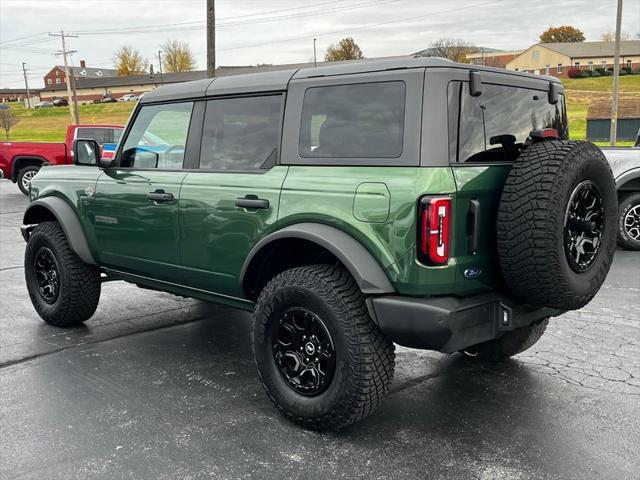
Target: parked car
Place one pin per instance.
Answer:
(43, 104)
(625, 164)
(418, 201)
(4, 106)
(60, 102)
(20, 161)
(129, 97)
(108, 99)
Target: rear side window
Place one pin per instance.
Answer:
(494, 125)
(363, 120)
(241, 133)
(100, 135)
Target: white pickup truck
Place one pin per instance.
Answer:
(625, 164)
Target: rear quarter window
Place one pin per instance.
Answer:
(363, 120)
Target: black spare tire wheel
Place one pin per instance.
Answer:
(557, 223)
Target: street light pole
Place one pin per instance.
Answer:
(160, 66)
(315, 62)
(613, 133)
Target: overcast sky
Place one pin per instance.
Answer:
(281, 31)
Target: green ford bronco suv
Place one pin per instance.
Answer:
(417, 201)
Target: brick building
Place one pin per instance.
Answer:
(498, 59)
(56, 76)
(557, 58)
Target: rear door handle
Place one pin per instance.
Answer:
(474, 219)
(252, 203)
(160, 196)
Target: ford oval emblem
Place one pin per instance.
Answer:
(472, 272)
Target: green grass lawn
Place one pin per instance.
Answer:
(50, 124)
(628, 83)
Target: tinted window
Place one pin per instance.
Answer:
(158, 137)
(363, 120)
(100, 135)
(494, 125)
(241, 133)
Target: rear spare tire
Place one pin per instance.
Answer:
(557, 223)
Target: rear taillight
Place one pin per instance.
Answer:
(433, 231)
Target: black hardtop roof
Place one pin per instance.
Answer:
(274, 80)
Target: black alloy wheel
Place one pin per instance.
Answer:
(47, 275)
(304, 351)
(583, 226)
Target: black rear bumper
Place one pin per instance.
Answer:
(448, 324)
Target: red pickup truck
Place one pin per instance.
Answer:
(20, 161)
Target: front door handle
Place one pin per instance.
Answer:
(248, 202)
(160, 196)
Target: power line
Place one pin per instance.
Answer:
(365, 27)
(73, 101)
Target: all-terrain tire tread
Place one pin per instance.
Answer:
(81, 291)
(371, 354)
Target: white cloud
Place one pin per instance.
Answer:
(506, 24)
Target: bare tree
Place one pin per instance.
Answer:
(347, 49)
(177, 56)
(611, 36)
(8, 119)
(128, 61)
(452, 48)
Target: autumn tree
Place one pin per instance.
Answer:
(452, 48)
(563, 33)
(128, 61)
(347, 49)
(611, 36)
(8, 119)
(177, 56)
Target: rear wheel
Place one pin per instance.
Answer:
(63, 289)
(629, 222)
(509, 344)
(321, 359)
(25, 176)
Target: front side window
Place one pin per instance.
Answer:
(158, 137)
(493, 127)
(241, 133)
(364, 120)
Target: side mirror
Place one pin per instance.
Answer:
(86, 152)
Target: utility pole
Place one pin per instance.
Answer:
(315, 62)
(211, 38)
(26, 84)
(616, 75)
(73, 103)
(160, 66)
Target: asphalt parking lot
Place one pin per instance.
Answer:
(156, 387)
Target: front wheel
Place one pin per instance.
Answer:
(629, 222)
(25, 176)
(63, 289)
(321, 359)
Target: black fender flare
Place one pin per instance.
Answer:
(68, 220)
(627, 176)
(364, 268)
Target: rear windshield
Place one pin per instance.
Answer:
(494, 125)
(100, 135)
